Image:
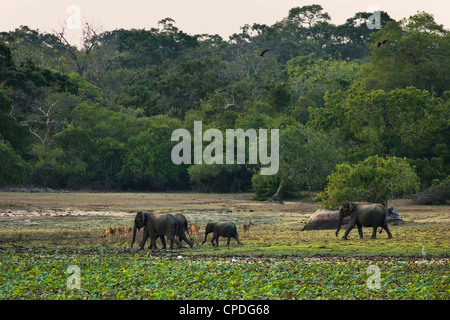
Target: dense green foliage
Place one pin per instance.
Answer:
(101, 115)
(373, 180)
(123, 276)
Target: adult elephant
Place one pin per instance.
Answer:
(182, 228)
(363, 215)
(155, 224)
(221, 229)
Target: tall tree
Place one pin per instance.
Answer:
(415, 54)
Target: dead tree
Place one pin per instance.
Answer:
(277, 195)
(81, 57)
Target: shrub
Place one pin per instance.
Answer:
(437, 194)
(13, 169)
(218, 177)
(266, 186)
(375, 179)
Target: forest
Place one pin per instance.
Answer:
(358, 109)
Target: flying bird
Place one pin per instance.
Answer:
(382, 42)
(426, 255)
(262, 53)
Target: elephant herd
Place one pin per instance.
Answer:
(175, 226)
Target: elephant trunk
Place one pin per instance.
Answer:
(341, 216)
(134, 235)
(206, 235)
(189, 234)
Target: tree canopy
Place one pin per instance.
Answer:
(101, 115)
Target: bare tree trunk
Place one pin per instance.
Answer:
(82, 56)
(277, 195)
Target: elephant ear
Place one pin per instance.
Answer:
(145, 217)
(141, 219)
(351, 207)
(347, 207)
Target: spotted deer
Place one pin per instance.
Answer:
(246, 227)
(194, 229)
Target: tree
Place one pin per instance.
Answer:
(13, 169)
(81, 57)
(375, 180)
(43, 49)
(403, 122)
(353, 37)
(218, 178)
(415, 54)
(308, 16)
(311, 77)
(307, 157)
(147, 165)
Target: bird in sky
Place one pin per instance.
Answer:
(382, 42)
(262, 53)
(426, 255)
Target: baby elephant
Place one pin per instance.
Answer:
(221, 229)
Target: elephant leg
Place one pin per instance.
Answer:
(228, 240)
(349, 228)
(374, 233)
(144, 239)
(163, 241)
(385, 227)
(215, 240)
(360, 231)
(237, 238)
(351, 225)
(153, 245)
(172, 240)
(185, 239)
(153, 241)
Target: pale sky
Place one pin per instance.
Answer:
(223, 17)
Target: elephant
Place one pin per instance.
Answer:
(180, 232)
(221, 229)
(364, 215)
(155, 224)
(182, 228)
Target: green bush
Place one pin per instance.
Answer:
(13, 169)
(437, 194)
(375, 179)
(266, 186)
(218, 177)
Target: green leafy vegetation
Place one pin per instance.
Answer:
(100, 115)
(375, 180)
(115, 275)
